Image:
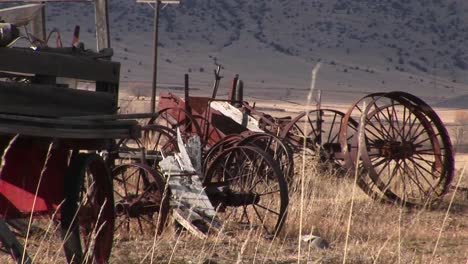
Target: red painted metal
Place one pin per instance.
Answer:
(25, 160)
(213, 124)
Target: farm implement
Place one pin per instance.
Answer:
(215, 165)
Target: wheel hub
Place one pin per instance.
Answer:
(134, 206)
(395, 149)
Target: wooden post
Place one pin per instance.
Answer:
(157, 8)
(38, 26)
(102, 25)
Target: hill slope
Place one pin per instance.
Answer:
(364, 45)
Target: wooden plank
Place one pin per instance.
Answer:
(20, 15)
(52, 101)
(194, 209)
(38, 24)
(49, 63)
(64, 133)
(235, 114)
(102, 24)
(33, 1)
(76, 123)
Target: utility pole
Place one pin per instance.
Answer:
(157, 9)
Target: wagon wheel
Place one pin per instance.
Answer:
(345, 136)
(128, 150)
(443, 138)
(402, 152)
(141, 205)
(276, 147)
(248, 187)
(321, 128)
(177, 118)
(210, 135)
(227, 142)
(159, 141)
(87, 220)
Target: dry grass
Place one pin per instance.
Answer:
(379, 233)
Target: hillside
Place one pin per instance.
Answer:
(367, 45)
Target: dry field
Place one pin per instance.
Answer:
(378, 233)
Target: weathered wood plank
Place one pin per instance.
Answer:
(194, 209)
(52, 101)
(38, 24)
(235, 114)
(102, 24)
(20, 15)
(51, 63)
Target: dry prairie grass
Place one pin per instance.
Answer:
(380, 233)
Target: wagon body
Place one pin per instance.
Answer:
(43, 140)
(214, 124)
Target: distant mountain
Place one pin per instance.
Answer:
(419, 43)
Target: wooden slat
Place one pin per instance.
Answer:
(23, 60)
(38, 24)
(52, 101)
(64, 133)
(76, 123)
(32, 1)
(20, 15)
(102, 24)
(194, 210)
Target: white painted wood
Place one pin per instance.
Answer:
(235, 114)
(193, 210)
(21, 15)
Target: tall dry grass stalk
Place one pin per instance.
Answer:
(309, 101)
(356, 175)
(44, 167)
(447, 213)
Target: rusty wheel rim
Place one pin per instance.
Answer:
(227, 142)
(248, 188)
(158, 141)
(276, 147)
(88, 211)
(354, 112)
(177, 118)
(141, 204)
(324, 126)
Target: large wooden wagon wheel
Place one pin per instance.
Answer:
(141, 204)
(276, 147)
(403, 153)
(249, 189)
(320, 129)
(87, 214)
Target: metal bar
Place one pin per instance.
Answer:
(155, 54)
(186, 94)
(216, 82)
